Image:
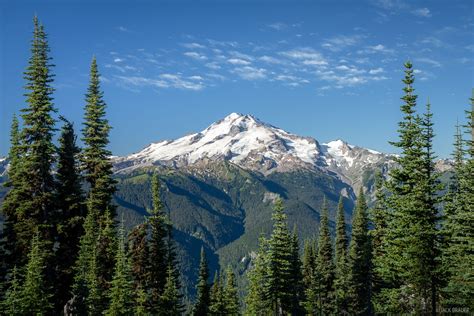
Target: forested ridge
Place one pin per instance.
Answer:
(64, 249)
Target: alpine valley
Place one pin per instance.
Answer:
(219, 185)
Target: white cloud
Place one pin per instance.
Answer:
(340, 42)
(193, 45)
(307, 55)
(271, 60)
(423, 12)
(238, 61)
(118, 60)
(429, 61)
(241, 55)
(379, 48)
(195, 55)
(278, 26)
(122, 29)
(250, 73)
(291, 80)
(376, 71)
(213, 65)
(164, 81)
(436, 42)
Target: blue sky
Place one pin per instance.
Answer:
(326, 69)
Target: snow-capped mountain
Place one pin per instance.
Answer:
(252, 144)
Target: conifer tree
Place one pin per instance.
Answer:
(378, 218)
(10, 202)
(35, 296)
(141, 301)
(308, 262)
(230, 294)
(409, 264)
(158, 262)
(311, 279)
(257, 297)
(342, 267)
(201, 306)
(360, 269)
(216, 297)
(325, 265)
(70, 212)
(85, 290)
(279, 262)
(121, 291)
(459, 253)
(170, 300)
(12, 300)
(33, 180)
(95, 156)
(139, 255)
(296, 277)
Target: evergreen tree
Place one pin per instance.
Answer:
(70, 212)
(360, 269)
(459, 252)
(170, 300)
(378, 218)
(141, 302)
(158, 262)
(10, 203)
(86, 296)
(409, 264)
(279, 262)
(296, 277)
(309, 262)
(342, 267)
(231, 295)
(257, 297)
(12, 302)
(95, 156)
(311, 279)
(216, 294)
(121, 291)
(325, 265)
(32, 198)
(201, 306)
(139, 255)
(35, 296)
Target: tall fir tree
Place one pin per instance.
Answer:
(230, 294)
(35, 295)
(70, 212)
(378, 219)
(32, 198)
(139, 255)
(279, 262)
(311, 278)
(459, 252)
(341, 286)
(360, 269)
(201, 306)
(10, 203)
(170, 300)
(85, 290)
(121, 294)
(11, 302)
(256, 301)
(325, 268)
(216, 297)
(296, 277)
(409, 265)
(158, 263)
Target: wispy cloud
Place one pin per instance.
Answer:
(341, 42)
(238, 61)
(123, 29)
(278, 26)
(250, 73)
(429, 61)
(195, 55)
(164, 81)
(376, 71)
(379, 48)
(306, 55)
(423, 12)
(193, 45)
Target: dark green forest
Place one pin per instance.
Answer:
(68, 245)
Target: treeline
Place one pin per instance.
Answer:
(63, 251)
